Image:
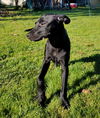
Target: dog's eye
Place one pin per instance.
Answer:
(43, 23)
(40, 24)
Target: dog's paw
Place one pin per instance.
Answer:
(42, 104)
(42, 100)
(65, 104)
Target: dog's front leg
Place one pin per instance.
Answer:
(63, 94)
(41, 86)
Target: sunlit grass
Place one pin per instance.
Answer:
(21, 60)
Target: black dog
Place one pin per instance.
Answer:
(57, 49)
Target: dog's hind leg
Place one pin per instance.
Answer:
(41, 84)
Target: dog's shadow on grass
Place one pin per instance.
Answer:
(57, 93)
(96, 60)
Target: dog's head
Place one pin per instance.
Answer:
(46, 26)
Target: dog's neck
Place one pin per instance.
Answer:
(59, 40)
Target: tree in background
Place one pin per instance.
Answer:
(43, 4)
(68, 1)
(29, 3)
(16, 4)
(38, 4)
(35, 4)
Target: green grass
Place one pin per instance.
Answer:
(21, 60)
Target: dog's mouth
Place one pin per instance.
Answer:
(37, 34)
(34, 37)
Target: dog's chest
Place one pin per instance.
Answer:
(57, 55)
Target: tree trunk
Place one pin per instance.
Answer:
(38, 4)
(16, 4)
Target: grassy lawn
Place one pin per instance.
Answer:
(20, 64)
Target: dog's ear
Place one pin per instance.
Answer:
(63, 18)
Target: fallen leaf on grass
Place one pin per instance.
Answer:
(86, 91)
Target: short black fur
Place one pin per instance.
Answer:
(57, 49)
